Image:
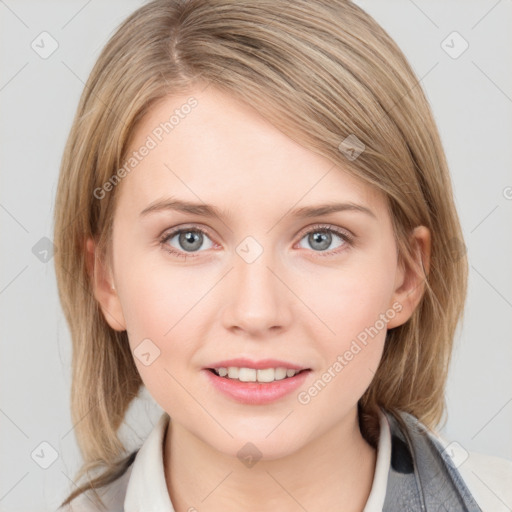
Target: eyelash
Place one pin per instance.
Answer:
(348, 239)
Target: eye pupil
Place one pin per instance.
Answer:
(191, 237)
(323, 238)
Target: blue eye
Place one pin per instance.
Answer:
(321, 238)
(190, 240)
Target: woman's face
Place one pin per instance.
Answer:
(258, 281)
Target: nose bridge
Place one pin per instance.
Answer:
(258, 299)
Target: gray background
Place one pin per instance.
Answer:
(471, 97)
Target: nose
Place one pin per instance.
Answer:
(257, 299)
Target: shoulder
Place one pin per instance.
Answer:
(112, 497)
(489, 479)
(145, 470)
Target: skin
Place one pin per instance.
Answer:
(292, 303)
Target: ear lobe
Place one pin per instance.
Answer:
(104, 290)
(410, 281)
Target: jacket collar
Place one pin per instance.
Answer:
(422, 475)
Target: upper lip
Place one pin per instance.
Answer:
(242, 362)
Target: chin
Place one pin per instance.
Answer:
(252, 450)
(260, 441)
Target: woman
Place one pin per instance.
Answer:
(299, 348)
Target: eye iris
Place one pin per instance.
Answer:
(194, 237)
(322, 237)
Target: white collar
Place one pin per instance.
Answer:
(375, 501)
(147, 489)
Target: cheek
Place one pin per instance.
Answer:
(166, 312)
(352, 308)
(158, 297)
(350, 357)
(350, 299)
(160, 325)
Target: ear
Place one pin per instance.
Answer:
(410, 282)
(104, 289)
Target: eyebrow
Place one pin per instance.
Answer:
(206, 210)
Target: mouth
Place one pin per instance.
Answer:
(259, 375)
(255, 386)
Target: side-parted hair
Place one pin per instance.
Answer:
(320, 71)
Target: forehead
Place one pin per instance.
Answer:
(207, 146)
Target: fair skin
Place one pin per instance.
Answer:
(297, 301)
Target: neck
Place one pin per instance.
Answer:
(334, 469)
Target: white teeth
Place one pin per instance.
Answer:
(253, 375)
(247, 374)
(233, 372)
(266, 375)
(280, 373)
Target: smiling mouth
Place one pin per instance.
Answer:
(264, 375)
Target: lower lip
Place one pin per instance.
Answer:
(256, 393)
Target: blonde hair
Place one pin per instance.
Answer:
(319, 70)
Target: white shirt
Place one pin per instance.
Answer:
(143, 488)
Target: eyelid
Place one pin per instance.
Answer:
(172, 232)
(327, 227)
